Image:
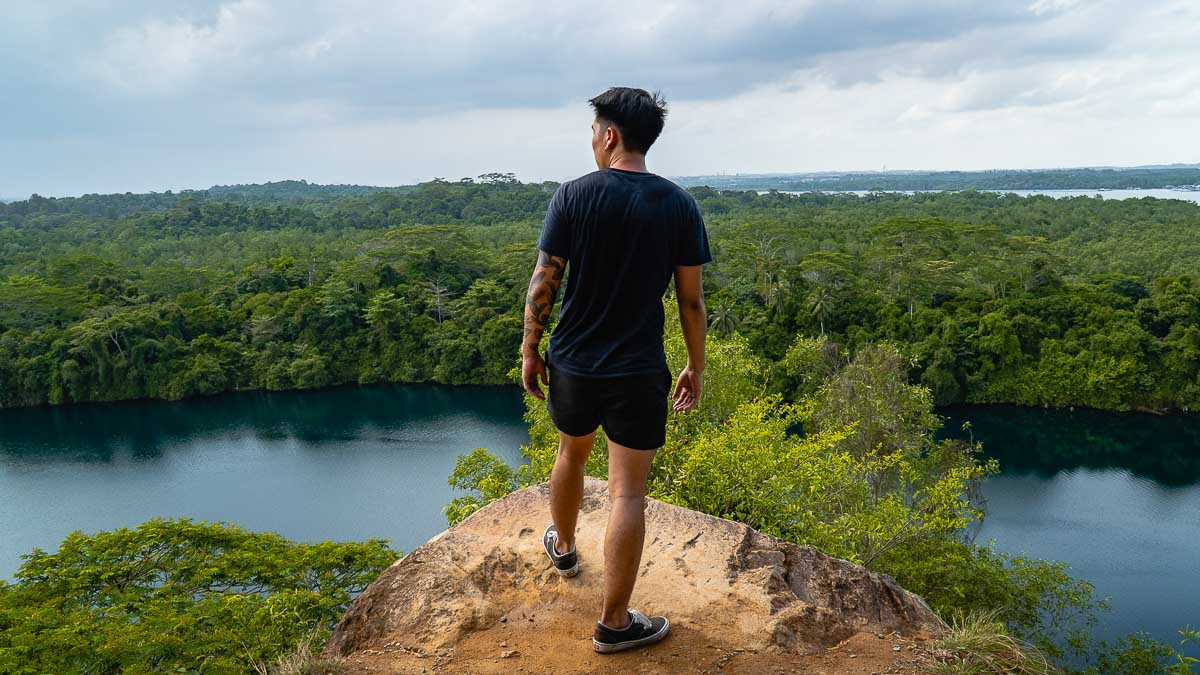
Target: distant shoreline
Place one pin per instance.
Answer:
(1191, 194)
(1153, 177)
(1181, 177)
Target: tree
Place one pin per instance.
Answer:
(910, 255)
(384, 311)
(439, 297)
(820, 304)
(723, 318)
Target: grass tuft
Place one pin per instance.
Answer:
(305, 659)
(978, 644)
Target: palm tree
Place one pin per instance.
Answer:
(820, 302)
(774, 288)
(723, 319)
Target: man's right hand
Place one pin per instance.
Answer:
(533, 368)
(687, 390)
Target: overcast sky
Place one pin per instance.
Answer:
(114, 96)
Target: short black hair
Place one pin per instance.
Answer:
(637, 114)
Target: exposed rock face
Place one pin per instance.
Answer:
(715, 578)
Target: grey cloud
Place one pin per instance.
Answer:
(424, 58)
(210, 79)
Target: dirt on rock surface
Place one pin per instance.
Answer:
(561, 642)
(482, 597)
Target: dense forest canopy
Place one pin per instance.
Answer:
(1175, 176)
(993, 297)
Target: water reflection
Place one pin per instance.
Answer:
(142, 430)
(1164, 448)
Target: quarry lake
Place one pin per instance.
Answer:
(1115, 495)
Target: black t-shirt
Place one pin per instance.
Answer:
(622, 233)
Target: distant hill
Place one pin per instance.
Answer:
(1086, 178)
(298, 190)
(447, 198)
(491, 197)
(118, 205)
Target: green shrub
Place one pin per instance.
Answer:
(177, 595)
(1139, 654)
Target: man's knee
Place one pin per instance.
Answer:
(574, 449)
(625, 491)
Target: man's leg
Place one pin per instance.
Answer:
(627, 472)
(566, 486)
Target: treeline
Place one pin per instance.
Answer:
(1033, 300)
(437, 198)
(992, 297)
(1053, 179)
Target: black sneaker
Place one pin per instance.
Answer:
(567, 564)
(642, 630)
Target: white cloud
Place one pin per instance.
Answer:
(1050, 6)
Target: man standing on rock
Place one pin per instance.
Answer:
(623, 232)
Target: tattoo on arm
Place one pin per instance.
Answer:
(543, 289)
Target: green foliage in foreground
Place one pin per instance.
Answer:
(177, 596)
(867, 481)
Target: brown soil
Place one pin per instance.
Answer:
(558, 639)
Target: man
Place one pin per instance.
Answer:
(623, 232)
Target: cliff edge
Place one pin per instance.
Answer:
(482, 597)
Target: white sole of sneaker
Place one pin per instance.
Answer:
(568, 573)
(604, 648)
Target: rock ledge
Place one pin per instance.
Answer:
(723, 585)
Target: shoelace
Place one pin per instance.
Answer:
(635, 617)
(640, 618)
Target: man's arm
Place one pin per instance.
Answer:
(543, 290)
(693, 318)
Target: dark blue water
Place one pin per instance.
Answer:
(1116, 495)
(336, 464)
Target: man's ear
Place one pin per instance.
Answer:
(611, 137)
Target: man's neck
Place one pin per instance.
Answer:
(629, 162)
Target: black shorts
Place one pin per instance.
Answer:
(632, 409)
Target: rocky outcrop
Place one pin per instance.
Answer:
(721, 583)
